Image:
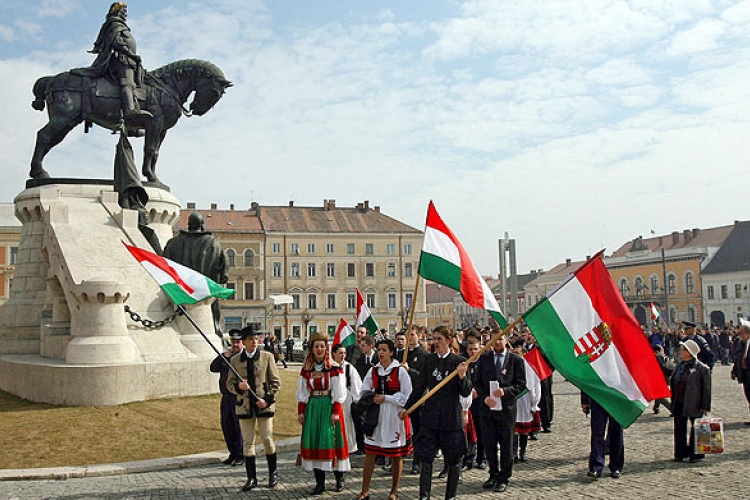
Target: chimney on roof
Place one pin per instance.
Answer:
(367, 205)
(329, 205)
(231, 206)
(567, 262)
(675, 237)
(696, 232)
(588, 257)
(687, 235)
(191, 205)
(291, 203)
(214, 206)
(254, 205)
(360, 206)
(377, 209)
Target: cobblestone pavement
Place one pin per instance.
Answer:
(556, 467)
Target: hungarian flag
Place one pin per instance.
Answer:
(589, 334)
(364, 316)
(537, 363)
(344, 334)
(181, 284)
(655, 314)
(444, 261)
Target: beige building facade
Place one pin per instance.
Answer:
(10, 236)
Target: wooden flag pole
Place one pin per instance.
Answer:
(411, 319)
(468, 361)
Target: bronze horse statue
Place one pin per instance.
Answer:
(72, 99)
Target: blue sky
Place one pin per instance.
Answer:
(574, 125)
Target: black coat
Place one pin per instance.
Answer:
(512, 380)
(362, 366)
(443, 410)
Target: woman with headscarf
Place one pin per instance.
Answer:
(391, 437)
(691, 398)
(321, 391)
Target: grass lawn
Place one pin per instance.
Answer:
(42, 435)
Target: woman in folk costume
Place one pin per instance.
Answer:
(392, 436)
(353, 389)
(528, 420)
(321, 391)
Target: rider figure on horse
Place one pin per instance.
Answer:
(116, 56)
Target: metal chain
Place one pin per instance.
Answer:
(150, 323)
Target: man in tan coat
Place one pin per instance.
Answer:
(256, 392)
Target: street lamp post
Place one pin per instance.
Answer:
(306, 318)
(440, 302)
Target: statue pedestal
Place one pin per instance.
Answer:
(64, 335)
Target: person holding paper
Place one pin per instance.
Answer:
(498, 366)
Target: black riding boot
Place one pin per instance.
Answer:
(252, 480)
(425, 481)
(451, 485)
(339, 475)
(273, 476)
(523, 441)
(320, 482)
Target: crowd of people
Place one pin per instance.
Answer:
(369, 398)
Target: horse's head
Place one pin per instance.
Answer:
(208, 93)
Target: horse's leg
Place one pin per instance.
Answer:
(47, 138)
(154, 138)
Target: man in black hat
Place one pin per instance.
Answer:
(256, 396)
(230, 426)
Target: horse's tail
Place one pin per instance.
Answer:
(40, 92)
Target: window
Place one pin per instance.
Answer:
(311, 248)
(369, 249)
(329, 247)
(409, 298)
(296, 331)
(737, 291)
(692, 317)
(672, 284)
(311, 269)
(369, 269)
(350, 270)
(330, 270)
(249, 258)
(350, 248)
(639, 287)
(407, 248)
(232, 286)
(624, 287)
(689, 283)
(351, 300)
(672, 315)
(724, 292)
(408, 269)
(331, 301)
(276, 268)
(391, 270)
(13, 256)
(294, 270)
(370, 299)
(391, 301)
(390, 248)
(654, 285)
(312, 301)
(276, 248)
(249, 291)
(230, 257)
(710, 291)
(295, 301)
(294, 248)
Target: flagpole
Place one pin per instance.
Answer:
(468, 361)
(411, 319)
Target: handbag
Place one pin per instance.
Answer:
(709, 435)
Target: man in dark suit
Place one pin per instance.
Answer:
(352, 351)
(366, 359)
(442, 415)
(415, 362)
(741, 368)
(507, 369)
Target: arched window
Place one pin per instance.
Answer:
(671, 284)
(654, 284)
(672, 315)
(689, 283)
(639, 287)
(624, 287)
(230, 257)
(691, 314)
(249, 258)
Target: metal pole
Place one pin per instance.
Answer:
(666, 288)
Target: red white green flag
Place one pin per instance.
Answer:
(590, 336)
(444, 261)
(364, 316)
(181, 284)
(344, 334)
